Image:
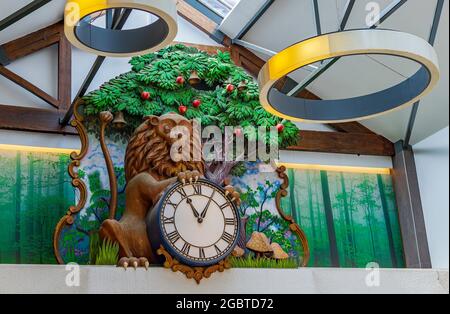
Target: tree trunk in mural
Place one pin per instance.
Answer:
(334, 253)
(294, 209)
(352, 221)
(321, 231)
(387, 219)
(312, 217)
(368, 206)
(348, 223)
(30, 203)
(18, 200)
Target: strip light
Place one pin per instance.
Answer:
(347, 169)
(34, 149)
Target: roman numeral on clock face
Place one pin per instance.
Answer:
(218, 251)
(173, 237)
(169, 221)
(172, 204)
(224, 206)
(197, 189)
(182, 192)
(186, 249)
(229, 221)
(202, 253)
(227, 238)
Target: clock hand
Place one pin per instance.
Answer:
(205, 211)
(196, 214)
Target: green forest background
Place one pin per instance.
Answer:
(350, 219)
(35, 192)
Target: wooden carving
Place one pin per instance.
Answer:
(78, 183)
(293, 225)
(105, 119)
(196, 273)
(149, 170)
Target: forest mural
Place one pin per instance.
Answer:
(35, 192)
(350, 219)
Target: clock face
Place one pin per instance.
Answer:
(199, 224)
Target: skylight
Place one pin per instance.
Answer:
(221, 7)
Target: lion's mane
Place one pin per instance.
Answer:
(147, 151)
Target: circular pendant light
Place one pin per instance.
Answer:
(83, 30)
(342, 44)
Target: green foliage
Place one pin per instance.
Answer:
(276, 229)
(108, 254)
(156, 73)
(250, 262)
(94, 246)
(239, 170)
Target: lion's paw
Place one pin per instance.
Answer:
(134, 262)
(189, 177)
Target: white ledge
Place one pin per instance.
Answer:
(52, 279)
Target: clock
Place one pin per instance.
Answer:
(196, 223)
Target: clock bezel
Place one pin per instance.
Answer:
(169, 246)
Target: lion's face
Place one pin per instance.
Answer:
(149, 148)
(167, 125)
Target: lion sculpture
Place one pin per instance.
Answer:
(149, 171)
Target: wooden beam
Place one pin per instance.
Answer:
(351, 127)
(28, 86)
(343, 143)
(64, 73)
(33, 42)
(212, 50)
(196, 18)
(409, 203)
(33, 120)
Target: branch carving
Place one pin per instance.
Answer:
(293, 225)
(77, 183)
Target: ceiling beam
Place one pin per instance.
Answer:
(395, 5)
(347, 12)
(23, 12)
(33, 42)
(317, 17)
(266, 6)
(196, 18)
(32, 120)
(343, 143)
(432, 40)
(36, 91)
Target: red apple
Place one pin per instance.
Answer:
(145, 95)
(182, 109)
(230, 88)
(180, 80)
(280, 127)
(197, 103)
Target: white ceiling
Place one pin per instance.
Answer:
(290, 21)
